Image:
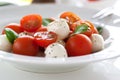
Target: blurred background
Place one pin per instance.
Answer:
(97, 4)
(93, 4)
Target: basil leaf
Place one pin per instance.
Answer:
(100, 29)
(11, 35)
(81, 28)
(46, 21)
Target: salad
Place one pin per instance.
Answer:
(67, 36)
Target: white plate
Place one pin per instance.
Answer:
(14, 14)
(97, 71)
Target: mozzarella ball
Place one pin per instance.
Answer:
(60, 27)
(55, 50)
(97, 42)
(5, 45)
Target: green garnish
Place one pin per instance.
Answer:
(46, 21)
(11, 35)
(100, 29)
(81, 28)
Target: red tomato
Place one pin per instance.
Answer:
(25, 46)
(88, 32)
(15, 27)
(75, 24)
(42, 29)
(92, 29)
(31, 22)
(78, 44)
(70, 17)
(44, 38)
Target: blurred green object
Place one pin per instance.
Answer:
(100, 29)
(4, 3)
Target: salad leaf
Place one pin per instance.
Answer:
(46, 21)
(81, 28)
(11, 35)
(100, 29)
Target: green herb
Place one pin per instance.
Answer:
(100, 29)
(81, 28)
(46, 21)
(11, 35)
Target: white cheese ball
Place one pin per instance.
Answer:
(97, 42)
(60, 27)
(5, 45)
(55, 50)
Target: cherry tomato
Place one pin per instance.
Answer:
(75, 24)
(25, 46)
(88, 32)
(78, 44)
(15, 27)
(70, 17)
(44, 38)
(42, 29)
(92, 29)
(31, 22)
